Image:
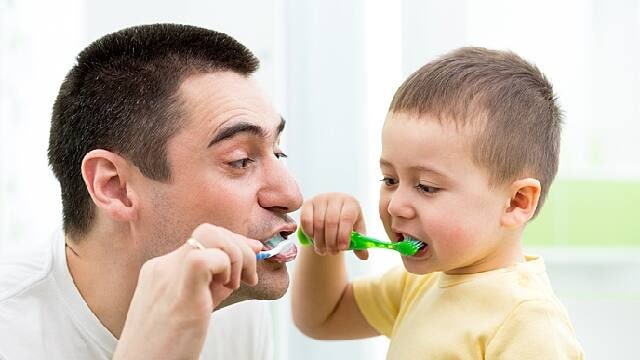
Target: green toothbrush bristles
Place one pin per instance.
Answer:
(409, 246)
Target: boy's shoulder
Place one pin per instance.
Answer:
(516, 305)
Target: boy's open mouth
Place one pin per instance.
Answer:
(407, 237)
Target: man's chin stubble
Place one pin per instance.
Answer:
(265, 290)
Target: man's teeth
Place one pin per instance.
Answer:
(275, 240)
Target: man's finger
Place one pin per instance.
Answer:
(201, 267)
(247, 247)
(241, 251)
(225, 241)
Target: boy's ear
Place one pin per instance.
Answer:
(106, 176)
(523, 202)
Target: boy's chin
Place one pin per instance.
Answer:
(424, 263)
(418, 267)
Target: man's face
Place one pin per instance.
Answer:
(226, 169)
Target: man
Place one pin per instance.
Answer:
(168, 158)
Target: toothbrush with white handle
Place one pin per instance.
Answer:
(281, 247)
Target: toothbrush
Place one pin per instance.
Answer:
(282, 246)
(406, 247)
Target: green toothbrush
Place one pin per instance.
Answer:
(408, 247)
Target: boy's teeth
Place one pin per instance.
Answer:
(422, 243)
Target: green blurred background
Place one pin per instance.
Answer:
(592, 213)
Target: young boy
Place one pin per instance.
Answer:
(469, 150)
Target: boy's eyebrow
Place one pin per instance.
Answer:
(419, 168)
(245, 127)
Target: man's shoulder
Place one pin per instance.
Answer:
(23, 269)
(32, 303)
(240, 331)
(23, 280)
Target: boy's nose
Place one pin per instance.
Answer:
(400, 205)
(280, 191)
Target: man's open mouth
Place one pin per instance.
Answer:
(287, 255)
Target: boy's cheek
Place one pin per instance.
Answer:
(447, 235)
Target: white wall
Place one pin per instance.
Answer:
(36, 51)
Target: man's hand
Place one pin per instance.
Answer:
(176, 293)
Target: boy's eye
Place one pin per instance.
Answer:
(389, 181)
(280, 155)
(240, 164)
(427, 189)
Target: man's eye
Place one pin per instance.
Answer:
(280, 155)
(389, 181)
(241, 164)
(427, 189)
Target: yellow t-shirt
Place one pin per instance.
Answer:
(509, 313)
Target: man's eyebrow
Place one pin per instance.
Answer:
(244, 127)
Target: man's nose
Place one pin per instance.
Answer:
(280, 191)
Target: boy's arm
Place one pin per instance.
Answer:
(323, 302)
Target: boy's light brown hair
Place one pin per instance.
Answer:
(508, 102)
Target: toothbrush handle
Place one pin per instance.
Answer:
(263, 255)
(358, 241)
(303, 238)
(361, 242)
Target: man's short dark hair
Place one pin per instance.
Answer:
(122, 96)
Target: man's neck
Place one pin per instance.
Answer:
(106, 275)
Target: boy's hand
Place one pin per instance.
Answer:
(329, 219)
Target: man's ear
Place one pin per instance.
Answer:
(106, 175)
(523, 202)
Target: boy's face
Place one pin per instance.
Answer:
(432, 191)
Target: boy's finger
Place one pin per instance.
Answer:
(332, 222)
(360, 226)
(319, 211)
(350, 214)
(362, 254)
(306, 218)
